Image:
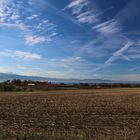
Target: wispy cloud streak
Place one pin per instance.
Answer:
(13, 15)
(108, 27)
(20, 54)
(119, 54)
(84, 15)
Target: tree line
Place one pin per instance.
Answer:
(18, 85)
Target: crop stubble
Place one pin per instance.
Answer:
(90, 114)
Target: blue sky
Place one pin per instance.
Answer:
(71, 38)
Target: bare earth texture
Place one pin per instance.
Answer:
(104, 114)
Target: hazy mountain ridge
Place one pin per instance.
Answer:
(9, 76)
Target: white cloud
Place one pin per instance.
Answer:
(27, 55)
(14, 15)
(21, 54)
(77, 5)
(108, 27)
(43, 73)
(95, 49)
(134, 56)
(116, 55)
(87, 17)
(20, 26)
(21, 67)
(119, 54)
(54, 34)
(75, 41)
(82, 11)
(3, 14)
(72, 59)
(34, 40)
(32, 17)
(4, 70)
(65, 62)
(134, 53)
(9, 12)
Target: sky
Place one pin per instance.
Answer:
(84, 39)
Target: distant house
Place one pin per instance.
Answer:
(31, 84)
(98, 86)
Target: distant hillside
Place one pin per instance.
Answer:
(7, 76)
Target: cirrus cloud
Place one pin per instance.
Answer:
(33, 40)
(21, 54)
(14, 15)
